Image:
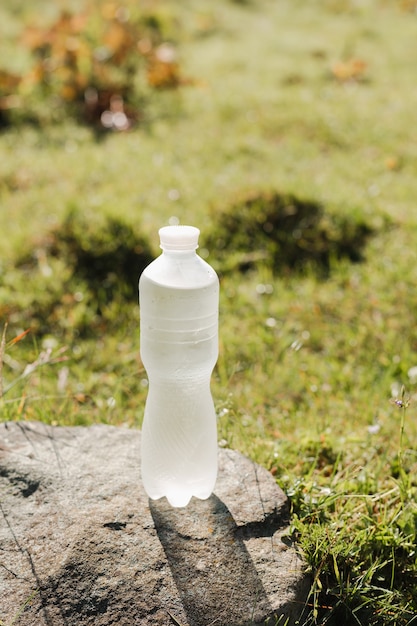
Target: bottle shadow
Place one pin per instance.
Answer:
(215, 576)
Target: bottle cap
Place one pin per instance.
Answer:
(179, 237)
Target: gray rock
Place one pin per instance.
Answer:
(81, 544)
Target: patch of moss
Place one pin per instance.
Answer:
(284, 232)
(84, 272)
(109, 259)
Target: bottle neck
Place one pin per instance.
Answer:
(179, 254)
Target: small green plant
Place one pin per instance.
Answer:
(359, 538)
(21, 610)
(45, 357)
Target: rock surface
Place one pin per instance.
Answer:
(80, 543)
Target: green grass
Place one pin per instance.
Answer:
(308, 363)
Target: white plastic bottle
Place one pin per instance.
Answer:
(178, 297)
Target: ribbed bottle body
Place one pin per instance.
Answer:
(178, 295)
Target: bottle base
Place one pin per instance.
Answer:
(180, 500)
